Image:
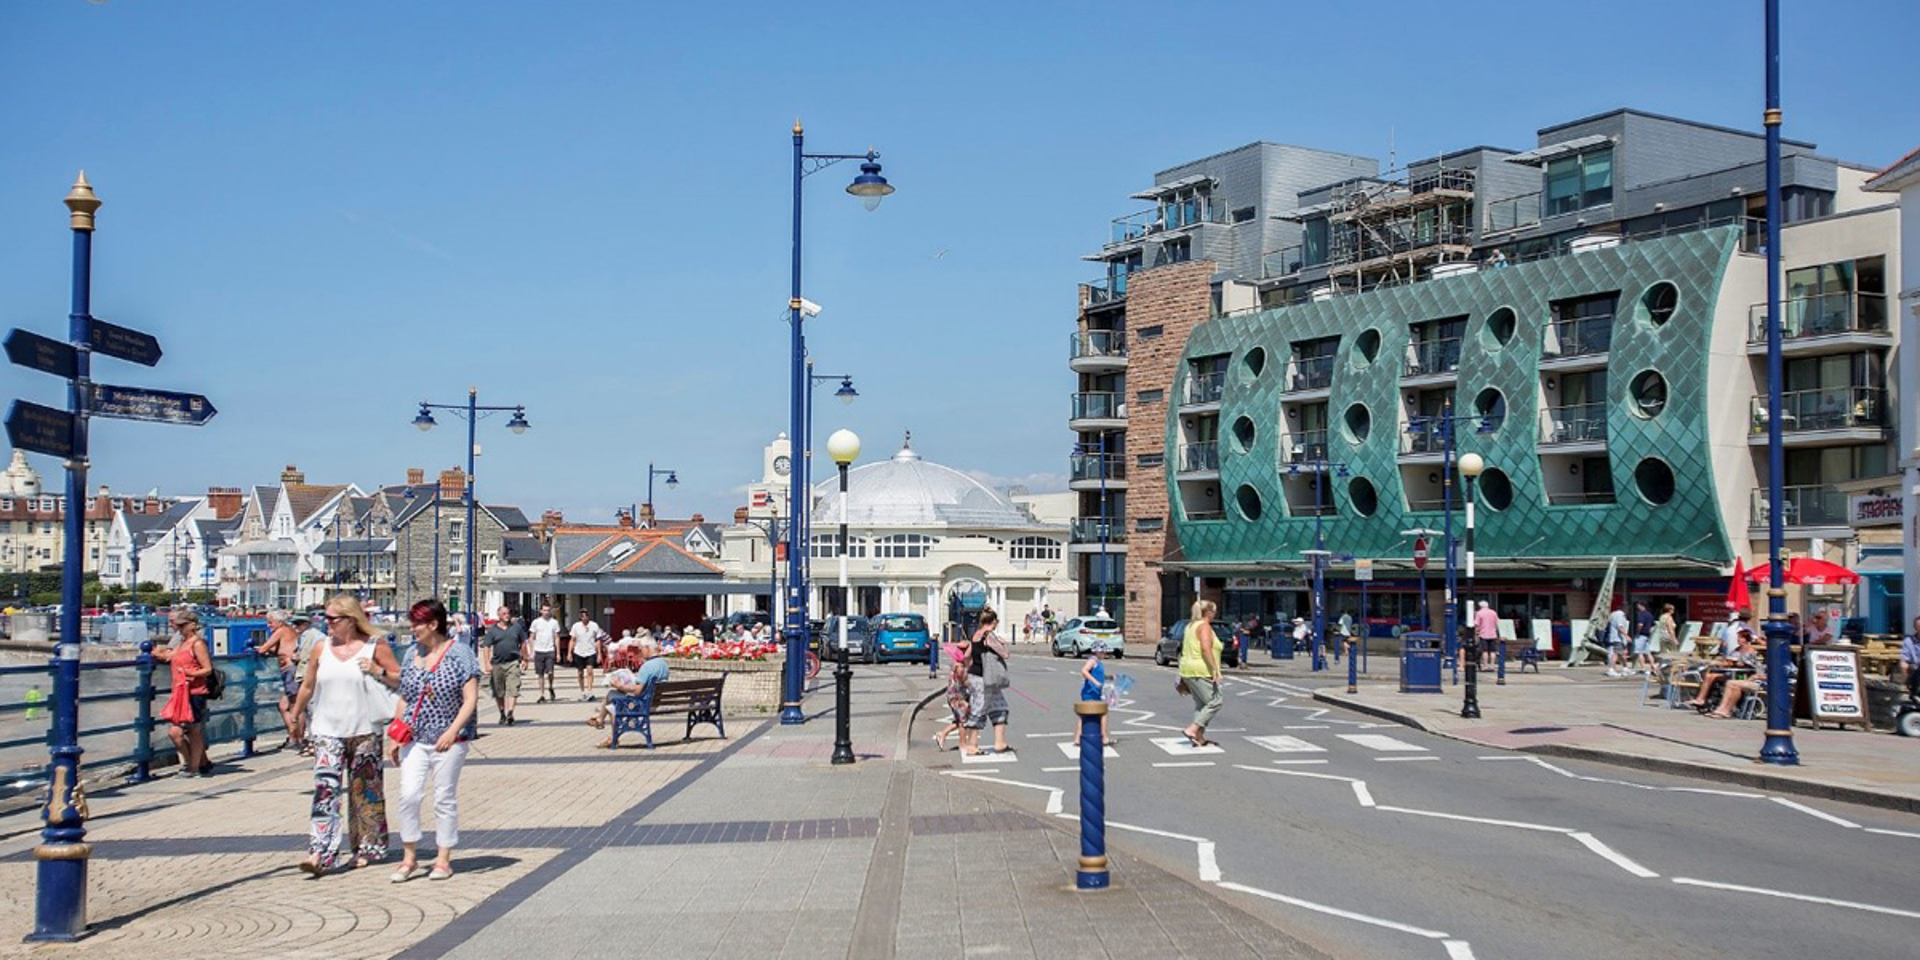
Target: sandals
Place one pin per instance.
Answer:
(940, 743)
(405, 873)
(440, 873)
(311, 867)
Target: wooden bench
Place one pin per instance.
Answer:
(699, 700)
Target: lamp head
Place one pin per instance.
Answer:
(846, 393)
(1471, 465)
(843, 447)
(870, 186)
(519, 422)
(673, 480)
(425, 418)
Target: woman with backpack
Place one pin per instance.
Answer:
(186, 707)
(987, 682)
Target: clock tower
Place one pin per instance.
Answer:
(768, 498)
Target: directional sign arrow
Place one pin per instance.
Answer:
(130, 345)
(45, 354)
(31, 426)
(157, 406)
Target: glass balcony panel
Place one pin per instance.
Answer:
(1095, 467)
(1821, 315)
(1575, 423)
(1305, 447)
(1099, 343)
(1812, 505)
(1094, 530)
(1310, 373)
(1097, 406)
(1582, 498)
(1582, 337)
(1206, 387)
(1426, 357)
(1284, 262)
(1200, 457)
(1826, 408)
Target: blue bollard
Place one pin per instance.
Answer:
(1353, 669)
(933, 657)
(249, 681)
(143, 716)
(1092, 874)
(1500, 664)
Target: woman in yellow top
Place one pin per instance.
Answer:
(1200, 670)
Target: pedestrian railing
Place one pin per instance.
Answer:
(119, 714)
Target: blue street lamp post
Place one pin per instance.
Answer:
(1319, 554)
(673, 480)
(871, 188)
(472, 411)
(1778, 747)
(60, 895)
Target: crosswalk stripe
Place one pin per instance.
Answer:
(1285, 744)
(1381, 742)
(989, 758)
(1072, 750)
(1182, 747)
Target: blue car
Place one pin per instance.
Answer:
(901, 636)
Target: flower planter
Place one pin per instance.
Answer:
(753, 686)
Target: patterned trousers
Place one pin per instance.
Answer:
(348, 770)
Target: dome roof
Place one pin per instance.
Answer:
(907, 491)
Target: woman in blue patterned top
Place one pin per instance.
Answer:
(439, 688)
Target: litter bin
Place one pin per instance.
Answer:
(1420, 662)
(1280, 642)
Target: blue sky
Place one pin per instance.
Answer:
(328, 211)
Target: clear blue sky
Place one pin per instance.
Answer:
(330, 210)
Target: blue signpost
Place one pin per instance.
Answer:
(60, 898)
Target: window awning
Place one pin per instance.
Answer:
(1159, 190)
(1550, 151)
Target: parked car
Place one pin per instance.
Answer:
(1079, 634)
(745, 618)
(860, 639)
(901, 636)
(1168, 649)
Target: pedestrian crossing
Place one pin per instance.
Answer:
(1287, 745)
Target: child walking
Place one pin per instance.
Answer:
(956, 697)
(1093, 683)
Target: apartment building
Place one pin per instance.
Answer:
(1586, 315)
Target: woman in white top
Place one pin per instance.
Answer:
(348, 686)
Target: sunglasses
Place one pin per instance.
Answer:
(332, 618)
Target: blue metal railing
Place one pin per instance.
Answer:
(119, 713)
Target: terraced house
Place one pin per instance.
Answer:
(1587, 315)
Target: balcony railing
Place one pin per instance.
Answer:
(1095, 530)
(1107, 289)
(1099, 343)
(1424, 435)
(1580, 498)
(1575, 423)
(1427, 357)
(1310, 373)
(1284, 262)
(1097, 406)
(1828, 408)
(1812, 505)
(1200, 457)
(1205, 388)
(1133, 226)
(1305, 447)
(1513, 212)
(1089, 467)
(1206, 514)
(1822, 315)
(1581, 337)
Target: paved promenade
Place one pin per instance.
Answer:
(749, 847)
(1580, 712)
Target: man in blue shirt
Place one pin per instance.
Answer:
(630, 682)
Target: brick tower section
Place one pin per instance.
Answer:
(1174, 299)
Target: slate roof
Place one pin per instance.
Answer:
(352, 546)
(522, 550)
(306, 499)
(219, 533)
(511, 518)
(604, 550)
(145, 528)
(268, 499)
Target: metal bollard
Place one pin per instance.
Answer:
(842, 709)
(143, 716)
(1353, 669)
(248, 682)
(1092, 874)
(1500, 664)
(933, 657)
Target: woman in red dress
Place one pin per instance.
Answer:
(186, 707)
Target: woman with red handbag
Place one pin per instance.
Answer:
(348, 685)
(432, 724)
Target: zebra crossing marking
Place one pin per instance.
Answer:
(1285, 744)
(1072, 750)
(1182, 747)
(1381, 742)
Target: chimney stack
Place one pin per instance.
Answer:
(626, 520)
(153, 504)
(697, 518)
(453, 484)
(225, 502)
(416, 476)
(292, 474)
(740, 515)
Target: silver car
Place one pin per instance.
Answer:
(1079, 635)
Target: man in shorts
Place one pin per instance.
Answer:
(283, 644)
(500, 653)
(586, 637)
(544, 631)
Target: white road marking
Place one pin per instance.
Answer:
(1805, 898)
(1284, 744)
(1059, 769)
(1614, 856)
(1381, 742)
(1054, 794)
(1072, 750)
(1333, 911)
(1458, 949)
(1299, 761)
(1306, 726)
(1182, 747)
(1892, 833)
(1054, 736)
(1360, 793)
(1299, 773)
(1476, 758)
(1401, 759)
(1811, 812)
(1518, 825)
(989, 758)
(1209, 867)
(1186, 763)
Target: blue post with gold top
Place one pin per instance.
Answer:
(1092, 874)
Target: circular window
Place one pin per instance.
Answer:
(1496, 491)
(1359, 422)
(1491, 406)
(1367, 346)
(1649, 394)
(1243, 433)
(1659, 302)
(1500, 326)
(1248, 500)
(1655, 480)
(1255, 362)
(1364, 498)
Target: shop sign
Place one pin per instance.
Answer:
(1266, 583)
(1837, 696)
(1871, 509)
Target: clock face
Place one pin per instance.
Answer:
(782, 464)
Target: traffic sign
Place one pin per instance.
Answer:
(1420, 554)
(1363, 569)
(130, 345)
(44, 354)
(31, 426)
(158, 406)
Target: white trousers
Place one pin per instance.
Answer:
(416, 761)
